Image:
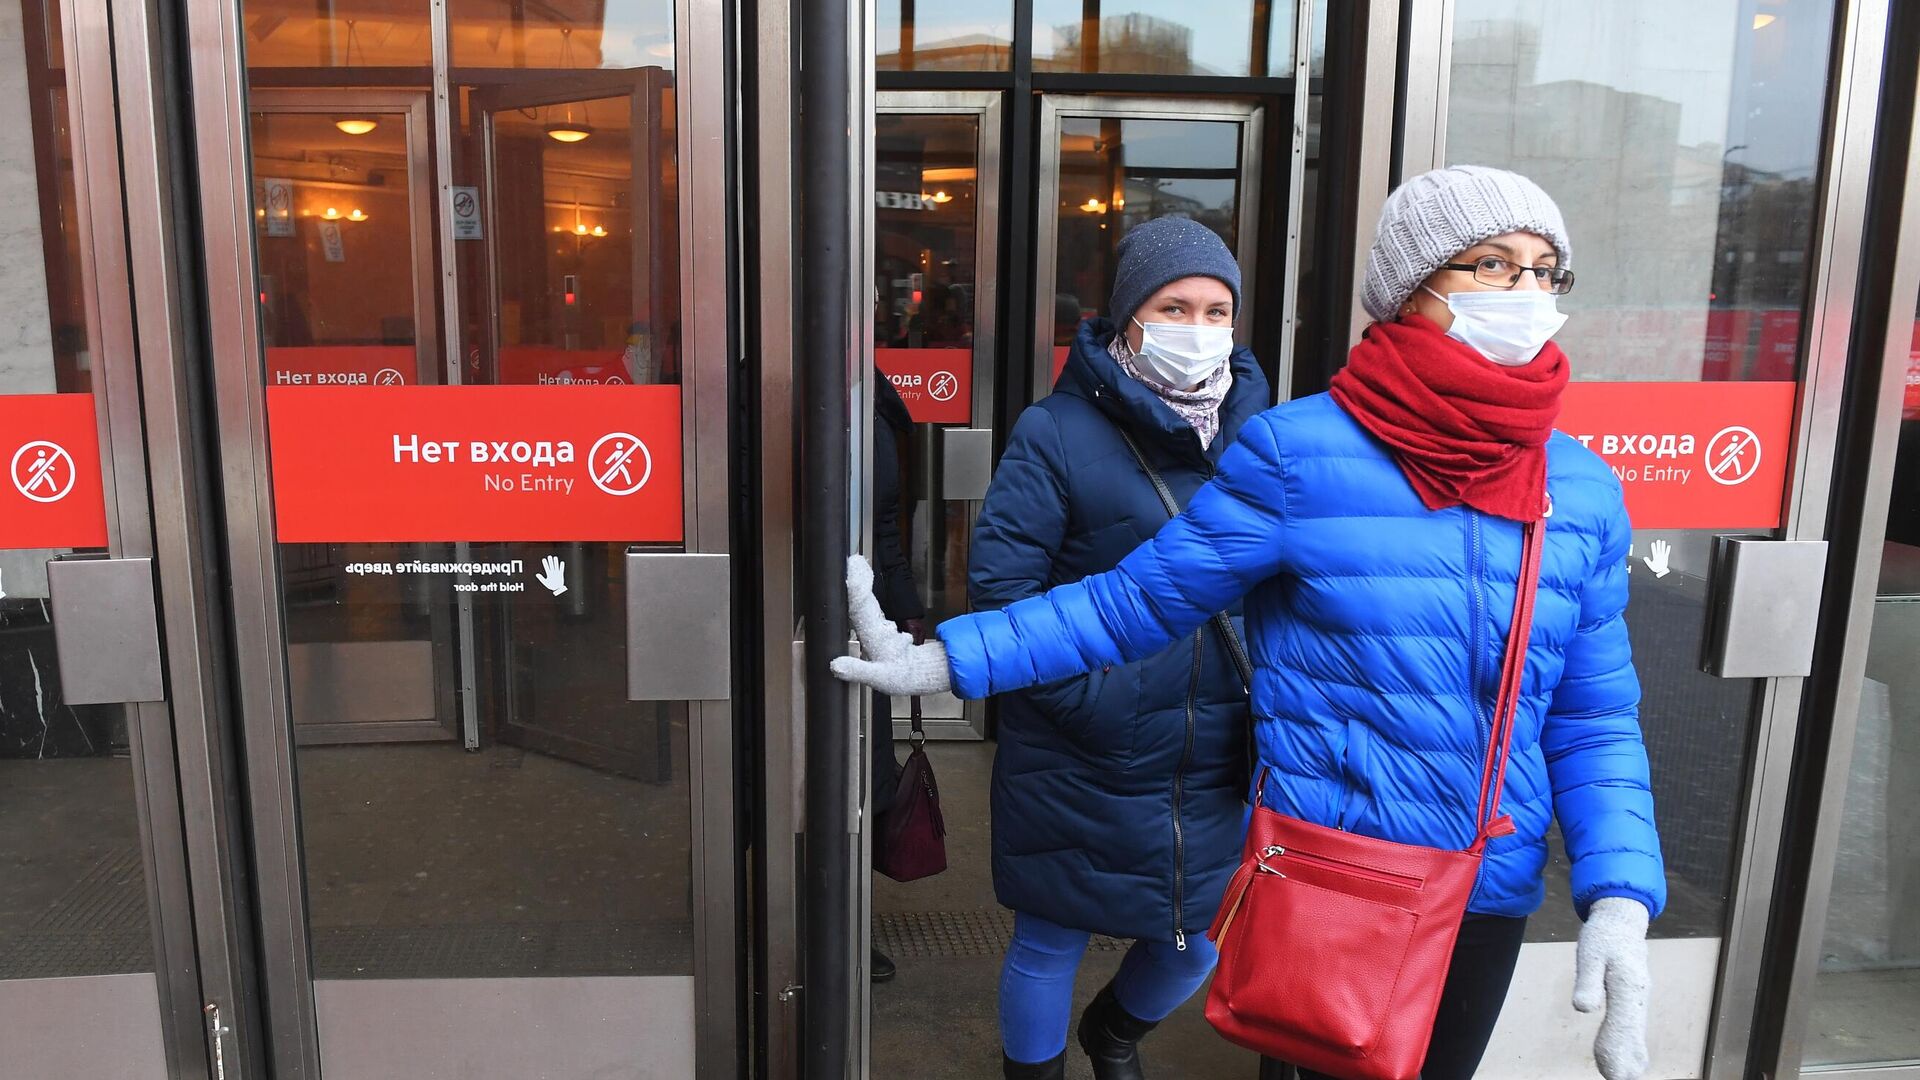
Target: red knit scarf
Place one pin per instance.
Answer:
(1466, 431)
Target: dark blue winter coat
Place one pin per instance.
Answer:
(1377, 628)
(1118, 796)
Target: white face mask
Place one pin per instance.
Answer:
(1179, 355)
(1508, 328)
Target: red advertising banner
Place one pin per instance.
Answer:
(52, 495)
(480, 463)
(1691, 455)
(936, 384)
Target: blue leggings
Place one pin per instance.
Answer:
(1036, 983)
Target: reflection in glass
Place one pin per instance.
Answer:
(1682, 143)
(973, 37)
(1116, 173)
(1867, 992)
(73, 892)
(1683, 154)
(1164, 37)
(340, 34)
(606, 34)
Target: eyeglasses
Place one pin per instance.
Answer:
(1503, 273)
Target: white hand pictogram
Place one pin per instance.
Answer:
(555, 576)
(1657, 559)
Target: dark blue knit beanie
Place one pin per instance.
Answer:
(1156, 253)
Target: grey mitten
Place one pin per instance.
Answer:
(1610, 972)
(892, 663)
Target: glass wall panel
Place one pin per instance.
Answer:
(73, 889)
(1866, 998)
(976, 37)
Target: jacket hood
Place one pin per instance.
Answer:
(1092, 373)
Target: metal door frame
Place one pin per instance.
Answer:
(1822, 808)
(1848, 129)
(112, 115)
(1249, 115)
(287, 1032)
(985, 107)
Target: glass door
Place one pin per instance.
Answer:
(512, 852)
(343, 225)
(1108, 164)
(936, 240)
(1694, 153)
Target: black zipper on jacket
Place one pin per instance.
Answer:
(1179, 791)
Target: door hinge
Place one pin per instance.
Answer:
(217, 1032)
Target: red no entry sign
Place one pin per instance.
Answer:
(1690, 455)
(52, 494)
(481, 463)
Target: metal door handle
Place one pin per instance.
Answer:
(966, 463)
(106, 634)
(679, 626)
(1763, 607)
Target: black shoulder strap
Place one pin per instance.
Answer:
(1221, 622)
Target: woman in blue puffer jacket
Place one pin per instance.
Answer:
(1375, 533)
(1118, 794)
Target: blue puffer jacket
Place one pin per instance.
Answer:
(1377, 628)
(1118, 796)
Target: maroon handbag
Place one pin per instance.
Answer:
(911, 842)
(1334, 947)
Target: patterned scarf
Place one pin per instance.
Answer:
(1199, 407)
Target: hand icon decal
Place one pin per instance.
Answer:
(555, 575)
(1657, 559)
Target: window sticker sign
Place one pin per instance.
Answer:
(936, 384)
(466, 214)
(359, 464)
(1690, 455)
(341, 365)
(52, 495)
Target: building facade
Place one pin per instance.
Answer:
(404, 556)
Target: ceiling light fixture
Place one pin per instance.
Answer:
(1761, 22)
(354, 125)
(566, 131)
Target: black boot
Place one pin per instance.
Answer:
(880, 968)
(1111, 1037)
(1044, 1070)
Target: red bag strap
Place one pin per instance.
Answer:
(1493, 774)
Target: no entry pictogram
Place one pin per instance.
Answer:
(613, 467)
(464, 204)
(942, 386)
(1733, 456)
(43, 471)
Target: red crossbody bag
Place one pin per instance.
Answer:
(1334, 947)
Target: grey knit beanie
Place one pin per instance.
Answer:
(1156, 253)
(1437, 215)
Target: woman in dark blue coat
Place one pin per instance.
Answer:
(1118, 795)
